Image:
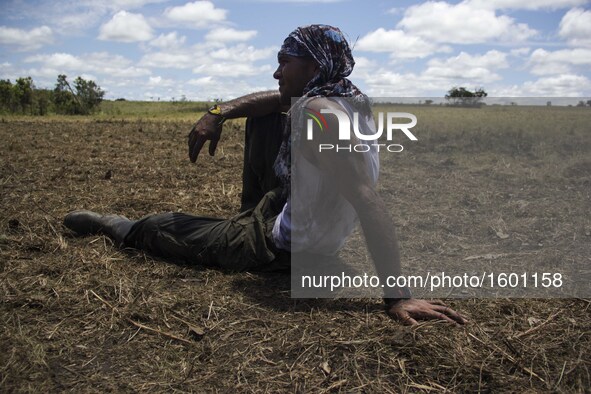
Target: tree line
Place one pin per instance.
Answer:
(460, 96)
(81, 97)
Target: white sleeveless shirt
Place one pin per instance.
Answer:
(316, 217)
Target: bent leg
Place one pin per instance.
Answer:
(243, 242)
(168, 234)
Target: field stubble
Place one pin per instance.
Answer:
(80, 315)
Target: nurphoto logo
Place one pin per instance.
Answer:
(344, 131)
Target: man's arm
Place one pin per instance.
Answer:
(349, 171)
(209, 126)
(380, 235)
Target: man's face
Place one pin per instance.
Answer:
(293, 74)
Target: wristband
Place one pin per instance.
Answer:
(217, 111)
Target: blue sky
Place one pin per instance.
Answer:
(150, 49)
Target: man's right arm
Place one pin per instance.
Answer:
(252, 105)
(209, 126)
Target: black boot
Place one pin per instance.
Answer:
(87, 222)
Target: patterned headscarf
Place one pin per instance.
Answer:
(329, 48)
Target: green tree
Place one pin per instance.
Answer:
(89, 94)
(23, 93)
(64, 99)
(41, 102)
(6, 95)
(83, 99)
(464, 97)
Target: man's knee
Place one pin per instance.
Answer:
(151, 224)
(153, 221)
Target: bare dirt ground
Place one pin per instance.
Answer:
(78, 314)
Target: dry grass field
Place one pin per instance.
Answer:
(79, 315)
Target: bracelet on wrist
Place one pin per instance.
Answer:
(217, 111)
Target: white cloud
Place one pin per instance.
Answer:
(203, 81)
(242, 53)
(363, 67)
(100, 63)
(385, 83)
(66, 22)
(302, 1)
(492, 59)
(225, 89)
(126, 27)
(466, 67)
(478, 75)
(198, 14)
(396, 11)
(70, 16)
(565, 85)
(108, 70)
(233, 69)
(129, 4)
(525, 5)
(520, 51)
(127, 72)
(9, 71)
(206, 88)
(439, 76)
(233, 61)
(225, 34)
(169, 59)
(461, 23)
(543, 62)
(170, 40)
(42, 76)
(160, 82)
(105, 59)
(57, 60)
(26, 40)
(154, 80)
(575, 27)
(398, 43)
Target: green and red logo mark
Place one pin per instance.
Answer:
(318, 118)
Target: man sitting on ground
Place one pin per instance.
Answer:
(314, 62)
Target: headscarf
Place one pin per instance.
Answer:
(329, 48)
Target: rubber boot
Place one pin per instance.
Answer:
(87, 223)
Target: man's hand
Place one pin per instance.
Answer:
(407, 311)
(209, 127)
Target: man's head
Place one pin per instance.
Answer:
(311, 57)
(293, 74)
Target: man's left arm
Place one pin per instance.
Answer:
(378, 229)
